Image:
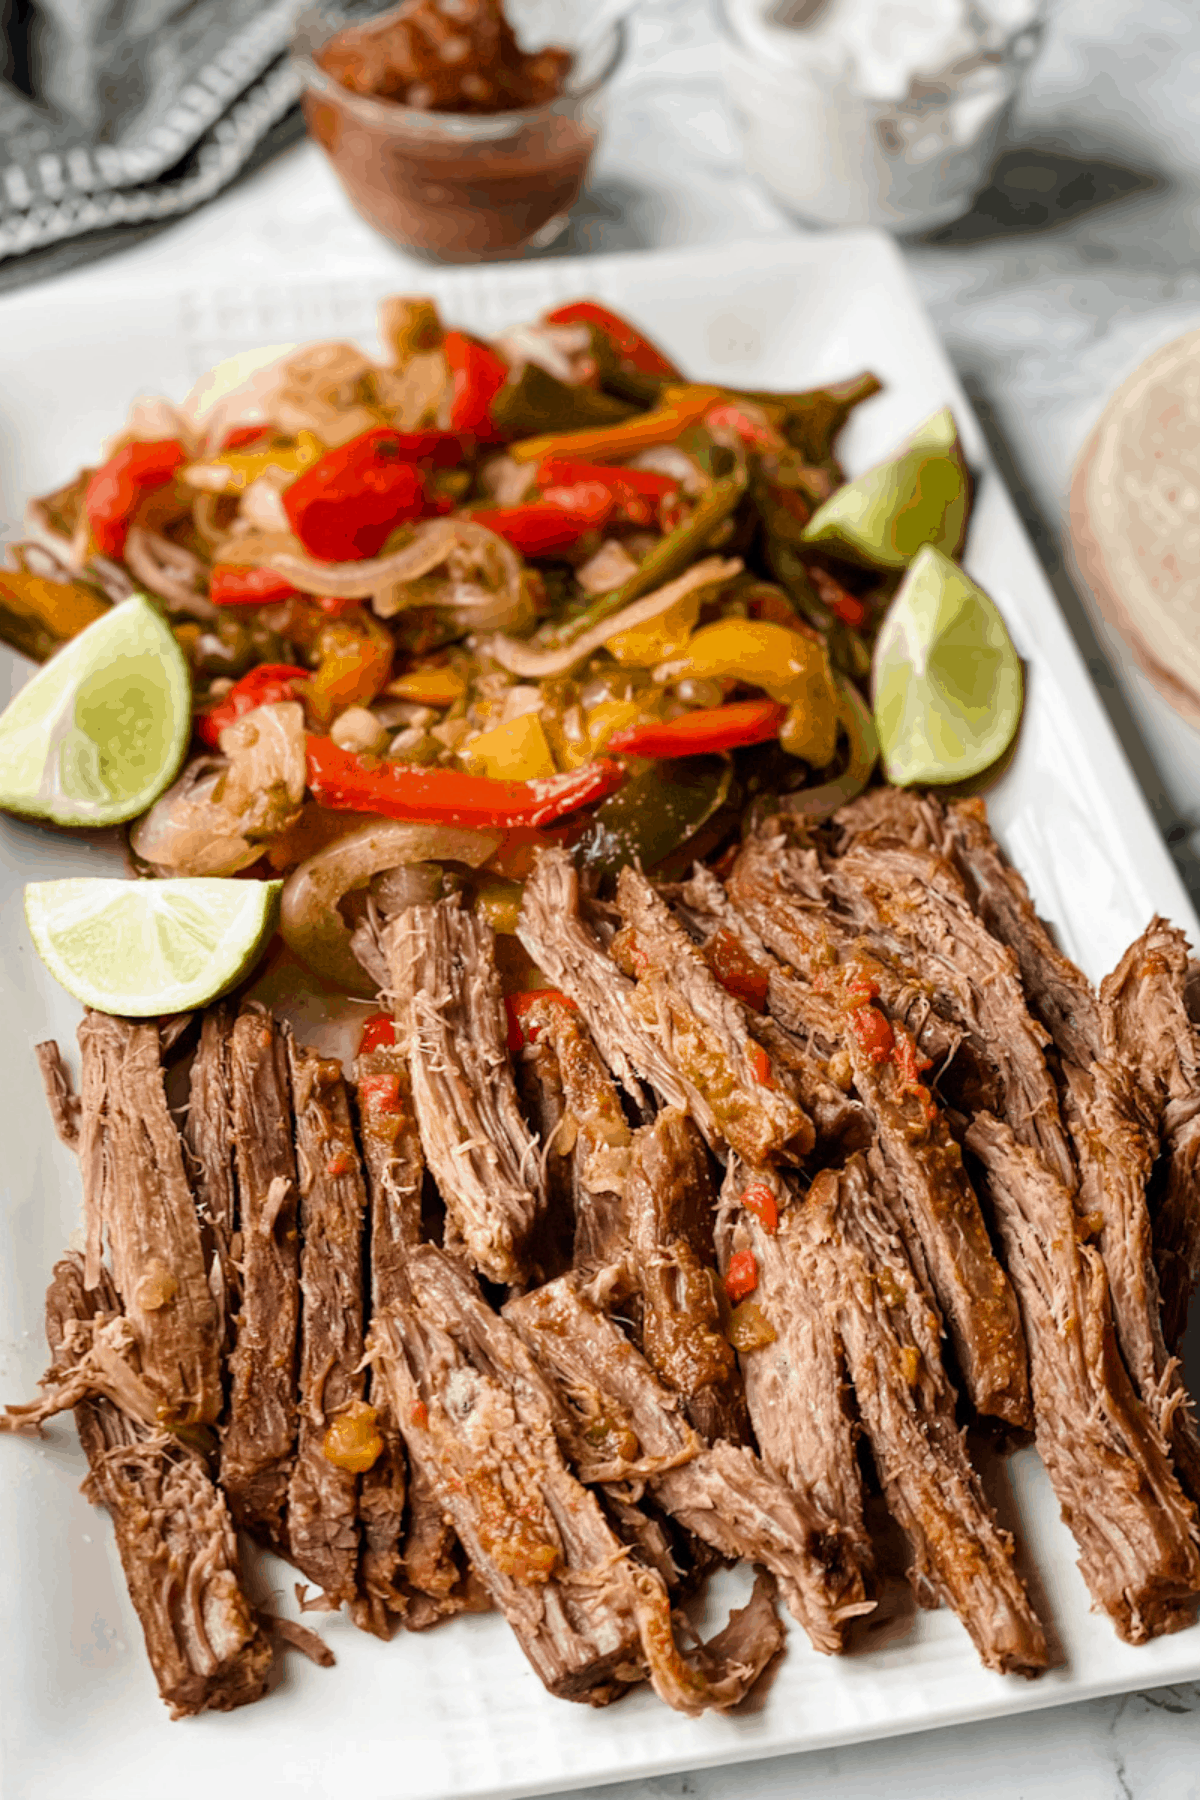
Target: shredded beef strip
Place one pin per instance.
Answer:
(566, 946)
(671, 1205)
(1176, 1219)
(323, 1534)
(482, 1421)
(391, 1148)
(136, 1191)
(452, 1025)
(540, 1086)
(1105, 1455)
(258, 1440)
(799, 1399)
(61, 1097)
(208, 1137)
(624, 1423)
(845, 1238)
(174, 1534)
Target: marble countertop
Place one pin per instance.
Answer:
(1082, 257)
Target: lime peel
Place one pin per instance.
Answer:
(920, 495)
(100, 730)
(947, 685)
(144, 948)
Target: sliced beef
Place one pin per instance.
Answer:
(540, 1087)
(795, 1375)
(258, 1440)
(565, 944)
(61, 1097)
(323, 1533)
(391, 1146)
(174, 1534)
(136, 1190)
(480, 1420)
(671, 1204)
(1105, 1456)
(1176, 1218)
(624, 1423)
(731, 1083)
(892, 1339)
(451, 1021)
(208, 1136)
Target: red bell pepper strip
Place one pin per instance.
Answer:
(741, 1277)
(264, 686)
(759, 1200)
(242, 436)
(845, 606)
(628, 342)
(114, 491)
(344, 506)
(339, 779)
(518, 1008)
(378, 1031)
(555, 522)
(753, 432)
(444, 449)
(697, 733)
(231, 584)
(638, 494)
(477, 374)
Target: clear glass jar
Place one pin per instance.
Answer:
(458, 187)
(842, 133)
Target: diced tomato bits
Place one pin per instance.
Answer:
(741, 1277)
(518, 1008)
(873, 1032)
(760, 1066)
(339, 1164)
(759, 1200)
(420, 1414)
(380, 1094)
(737, 971)
(378, 1032)
(908, 1059)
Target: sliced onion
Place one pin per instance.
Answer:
(855, 719)
(312, 925)
(520, 658)
(170, 572)
(186, 831)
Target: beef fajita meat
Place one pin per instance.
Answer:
(1105, 1456)
(731, 1082)
(671, 1205)
(480, 1420)
(136, 1191)
(176, 1541)
(847, 1240)
(564, 943)
(451, 1023)
(795, 1375)
(623, 1422)
(1176, 1219)
(258, 1440)
(391, 1147)
(208, 1136)
(61, 1097)
(540, 1087)
(335, 1427)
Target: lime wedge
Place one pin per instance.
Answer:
(919, 496)
(946, 681)
(141, 948)
(102, 727)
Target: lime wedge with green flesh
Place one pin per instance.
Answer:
(142, 948)
(919, 496)
(101, 729)
(946, 681)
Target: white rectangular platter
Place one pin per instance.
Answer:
(458, 1712)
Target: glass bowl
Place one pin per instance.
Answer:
(837, 144)
(458, 187)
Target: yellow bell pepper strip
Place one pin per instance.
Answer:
(355, 657)
(437, 686)
(516, 751)
(856, 720)
(669, 558)
(701, 733)
(38, 615)
(789, 665)
(233, 470)
(680, 408)
(339, 779)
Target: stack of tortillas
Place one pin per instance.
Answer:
(1135, 519)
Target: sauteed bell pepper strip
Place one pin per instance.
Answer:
(790, 666)
(713, 728)
(559, 519)
(339, 779)
(355, 655)
(233, 470)
(626, 340)
(232, 585)
(519, 1006)
(680, 408)
(637, 494)
(115, 490)
(343, 508)
(264, 686)
(477, 375)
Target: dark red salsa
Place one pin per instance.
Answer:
(459, 56)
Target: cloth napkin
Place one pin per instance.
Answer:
(117, 116)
